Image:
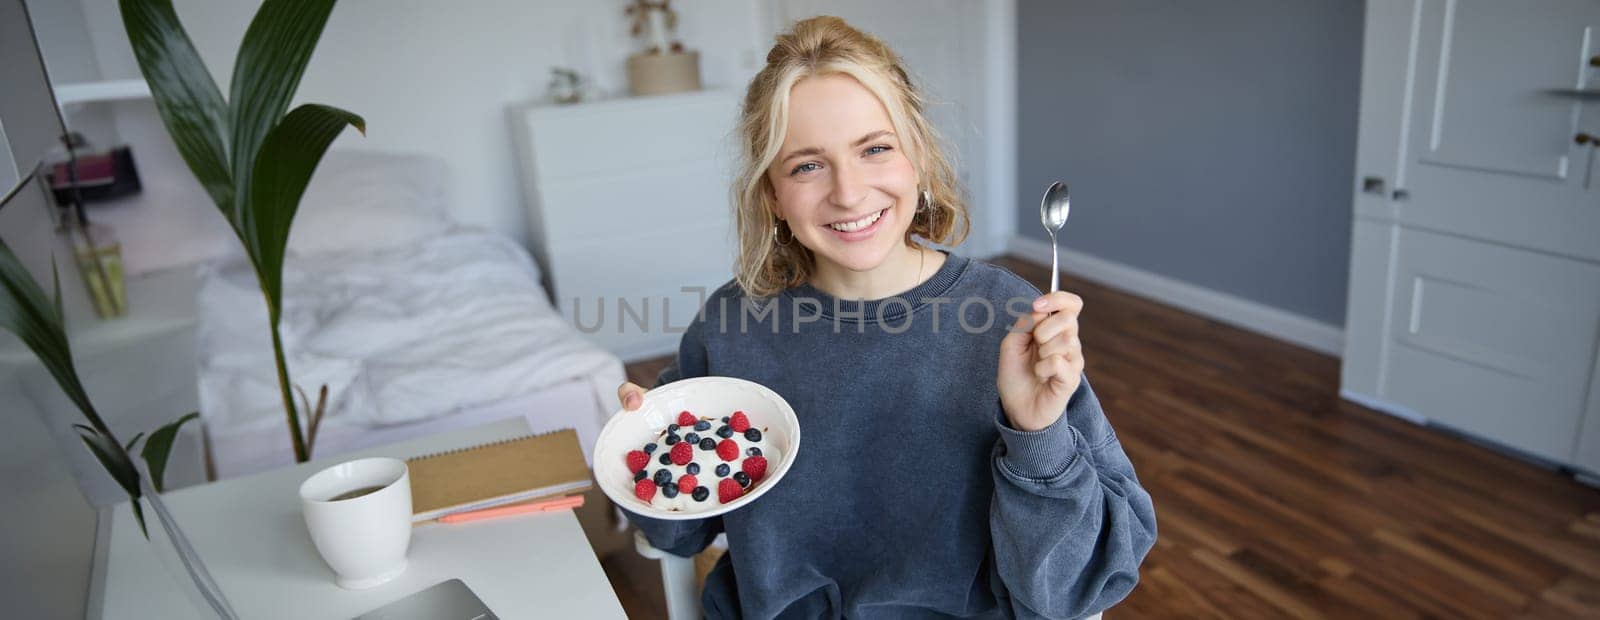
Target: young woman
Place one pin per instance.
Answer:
(951, 465)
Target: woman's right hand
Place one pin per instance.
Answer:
(632, 396)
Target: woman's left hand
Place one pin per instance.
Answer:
(1041, 368)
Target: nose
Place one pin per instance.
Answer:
(849, 187)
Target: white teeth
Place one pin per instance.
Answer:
(858, 224)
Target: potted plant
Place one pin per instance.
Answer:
(251, 153)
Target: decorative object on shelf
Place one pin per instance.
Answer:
(664, 66)
(95, 250)
(37, 322)
(252, 157)
(95, 176)
(566, 86)
(98, 256)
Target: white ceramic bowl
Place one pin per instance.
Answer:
(708, 396)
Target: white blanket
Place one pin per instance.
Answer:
(398, 335)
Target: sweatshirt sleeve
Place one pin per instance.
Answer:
(1070, 523)
(682, 538)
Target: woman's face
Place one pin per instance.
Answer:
(843, 183)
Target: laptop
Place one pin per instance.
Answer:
(448, 600)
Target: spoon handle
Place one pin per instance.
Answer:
(1055, 265)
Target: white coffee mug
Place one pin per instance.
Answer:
(362, 538)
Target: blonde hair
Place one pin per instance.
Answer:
(824, 46)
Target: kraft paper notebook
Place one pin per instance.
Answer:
(496, 474)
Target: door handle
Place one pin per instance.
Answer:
(1374, 185)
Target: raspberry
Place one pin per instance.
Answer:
(682, 453)
(686, 419)
(687, 484)
(756, 467)
(739, 422)
(646, 489)
(727, 449)
(637, 460)
(728, 490)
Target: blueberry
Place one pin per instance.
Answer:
(708, 444)
(672, 428)
(692, 438)
(742, 478)
(722, 470)
(752, 451)
(702, 425)
(666, 458)
(724, 419)
(649, 448)
(753, 434)
(725, 431)
(639, 475)
(694, 469)
(670, 491)
(663, 477)
(671, 439)
(700, 494)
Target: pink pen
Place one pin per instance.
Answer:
(562, 503)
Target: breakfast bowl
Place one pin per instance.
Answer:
(742, 439)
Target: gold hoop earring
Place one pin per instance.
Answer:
(775, 241)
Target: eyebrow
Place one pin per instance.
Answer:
(812, 150)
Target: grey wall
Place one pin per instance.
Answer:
(1211, 142)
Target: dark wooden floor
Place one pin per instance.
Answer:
(1277, 499)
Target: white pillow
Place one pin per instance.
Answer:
(366, 200)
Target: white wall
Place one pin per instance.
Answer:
(435, 77)
(64, 40)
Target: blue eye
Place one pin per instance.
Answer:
(805, 167)
(877, 149)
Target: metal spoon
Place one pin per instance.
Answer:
(1053, 210)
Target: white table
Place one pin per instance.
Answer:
(253, 539)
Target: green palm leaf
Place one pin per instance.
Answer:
(116, 461)
(159, 448)
(186, 96)
(288, 157)
(36, 320)
(272, 59)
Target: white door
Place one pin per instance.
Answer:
(1477, 259)
(940, 42)
(1493, 150)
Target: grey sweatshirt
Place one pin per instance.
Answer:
(911, 496)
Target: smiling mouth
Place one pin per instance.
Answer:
(855, 225)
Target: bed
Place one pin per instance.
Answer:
(416, 325)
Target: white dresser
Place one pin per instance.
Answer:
(628, 208)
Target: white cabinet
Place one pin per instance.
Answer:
(1474, 297)
(628, 206)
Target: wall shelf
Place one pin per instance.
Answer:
(110, 90)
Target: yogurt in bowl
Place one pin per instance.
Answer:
(744, 439)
